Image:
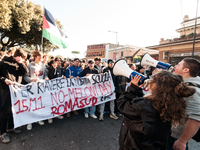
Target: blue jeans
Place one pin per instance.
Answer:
(170, 143)
(90, 110)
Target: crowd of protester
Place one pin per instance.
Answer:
(36, 66)
(151, 121)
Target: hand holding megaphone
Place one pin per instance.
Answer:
(147, 60)
(121, 68)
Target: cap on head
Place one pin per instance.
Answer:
(110, 61)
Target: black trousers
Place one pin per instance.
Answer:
(116, 107)
(7, 120)
(6, 116)
(0, 103)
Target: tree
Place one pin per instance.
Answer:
(21, 25)
(75, 53)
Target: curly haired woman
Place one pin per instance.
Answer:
(148, 119)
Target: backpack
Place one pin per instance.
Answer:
(196, 137)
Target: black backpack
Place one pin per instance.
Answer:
(196, 137)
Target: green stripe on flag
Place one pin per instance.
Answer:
(54, 40)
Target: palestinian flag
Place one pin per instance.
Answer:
(51, 32)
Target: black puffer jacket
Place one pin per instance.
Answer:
(142, 128)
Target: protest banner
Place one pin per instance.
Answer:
(47, 99)
(98, 50)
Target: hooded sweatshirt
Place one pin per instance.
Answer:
(35, 71)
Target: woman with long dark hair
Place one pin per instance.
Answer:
(148, 119)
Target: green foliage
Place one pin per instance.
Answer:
(191, 34)
(183, 36)
(136, 57)
(75, 52)
(21, 24)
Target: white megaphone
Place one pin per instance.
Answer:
(147, 60)
(121, 68)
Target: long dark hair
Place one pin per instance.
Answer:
(167, 96)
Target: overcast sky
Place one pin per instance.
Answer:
(138, 22)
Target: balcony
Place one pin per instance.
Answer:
(181, 38)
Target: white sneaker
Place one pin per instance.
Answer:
(29, 126)
(86, 115)
(93, 116)
(50, 120)
(60, 117)
(101, 117)
(41, 123)
(112, 115)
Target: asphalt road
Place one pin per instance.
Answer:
(74, 133)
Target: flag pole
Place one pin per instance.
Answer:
(42, 46)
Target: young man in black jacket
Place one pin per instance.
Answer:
(12, 70)
(98, 64)
(112, 102)
(86, 72)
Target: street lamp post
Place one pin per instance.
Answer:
(116, 44)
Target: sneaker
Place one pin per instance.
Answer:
(60, 117)
(14, 131)
(29, 126)
(86, 115)
(101, 117)
(76, 112)
(68, 115)
(41, 123)
(50, 120)
(93, 116)
(5, 138)
(112, 115)
(120, 115)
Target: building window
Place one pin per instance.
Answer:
(121, 54)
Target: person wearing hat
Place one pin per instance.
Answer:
(112, 102)
(86, 72)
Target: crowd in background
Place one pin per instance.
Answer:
(147, 118)
(38, 66)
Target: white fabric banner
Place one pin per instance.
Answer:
(47, 99)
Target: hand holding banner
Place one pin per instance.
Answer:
(47, 99)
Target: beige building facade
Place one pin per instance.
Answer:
(174, 50)
(128, 51)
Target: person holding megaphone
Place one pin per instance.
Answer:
(147, 119)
